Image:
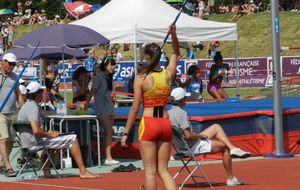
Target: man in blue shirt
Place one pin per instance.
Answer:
(189, 54)
(91, 62)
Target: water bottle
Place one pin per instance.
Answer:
(28, 177)
(78, 105)
(58, 108)
(63, 108)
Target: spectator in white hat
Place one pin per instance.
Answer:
(9, 112)
(51, 139)
(211, 140)
(22, 87)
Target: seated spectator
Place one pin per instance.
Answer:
(80, 83)
(218, 72)
(193, 83)
(211, 140)
(253, 7)
(223, 9)
(30, 112)
(211, 6)
(91, 62)
(20, 7)
(42, 18)
(22, 87)
(189, 54)
(238, 13)
(212, 48)
(117, 55)
(34, 18)
(25, 19)
(201, 9)
(15, 20)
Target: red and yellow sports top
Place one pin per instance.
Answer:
(158, 94)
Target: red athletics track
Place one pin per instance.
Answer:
(259, 174)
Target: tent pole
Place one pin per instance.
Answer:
(42, 77)
(237, 69)
(64, 70)
(141, 52)
(135, 58)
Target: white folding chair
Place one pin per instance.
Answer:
(20, 129)
(187, 156)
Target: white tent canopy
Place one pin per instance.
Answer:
(145, 21)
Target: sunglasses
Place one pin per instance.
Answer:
(12, 63)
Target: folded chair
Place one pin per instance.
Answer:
(23, 128)
(187, 156)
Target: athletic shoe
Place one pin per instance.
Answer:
(234, 182)
(111, 162)
(239, 153)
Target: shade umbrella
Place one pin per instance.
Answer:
(23, 53)
(82, 8)
(95, 7)
(62, 36)
(190, 6)
(6, 11)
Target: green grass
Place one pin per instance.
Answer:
(254, 35)
(244, 92)
(254, 40)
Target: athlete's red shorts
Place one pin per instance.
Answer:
(155, 129)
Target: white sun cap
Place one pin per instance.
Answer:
(179, 93)
(33, 87)
(10, 57)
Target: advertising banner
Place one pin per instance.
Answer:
(252, 71)
(290, 66)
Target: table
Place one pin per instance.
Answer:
(66, 118)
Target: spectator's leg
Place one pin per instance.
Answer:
(215, 94)
(218, 146)
(107, 123)
(76, 154)
(222, 93)
(5, 149)
(215, 131)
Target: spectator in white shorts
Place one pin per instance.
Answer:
(9, 112)
(211, 140)
(30, 112)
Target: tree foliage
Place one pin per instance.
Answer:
(52, 7)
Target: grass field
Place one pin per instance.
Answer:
(254, 40)
(254, 35)
(244, 92)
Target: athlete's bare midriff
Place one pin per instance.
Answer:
(148, 112)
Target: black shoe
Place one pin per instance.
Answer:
(131, 167)
(121, 168)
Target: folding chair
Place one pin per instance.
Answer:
(22, 128)
(186, 156)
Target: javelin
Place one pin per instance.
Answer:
(16, 82)
(174, 22)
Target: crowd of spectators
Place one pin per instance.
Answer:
(203, 8)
